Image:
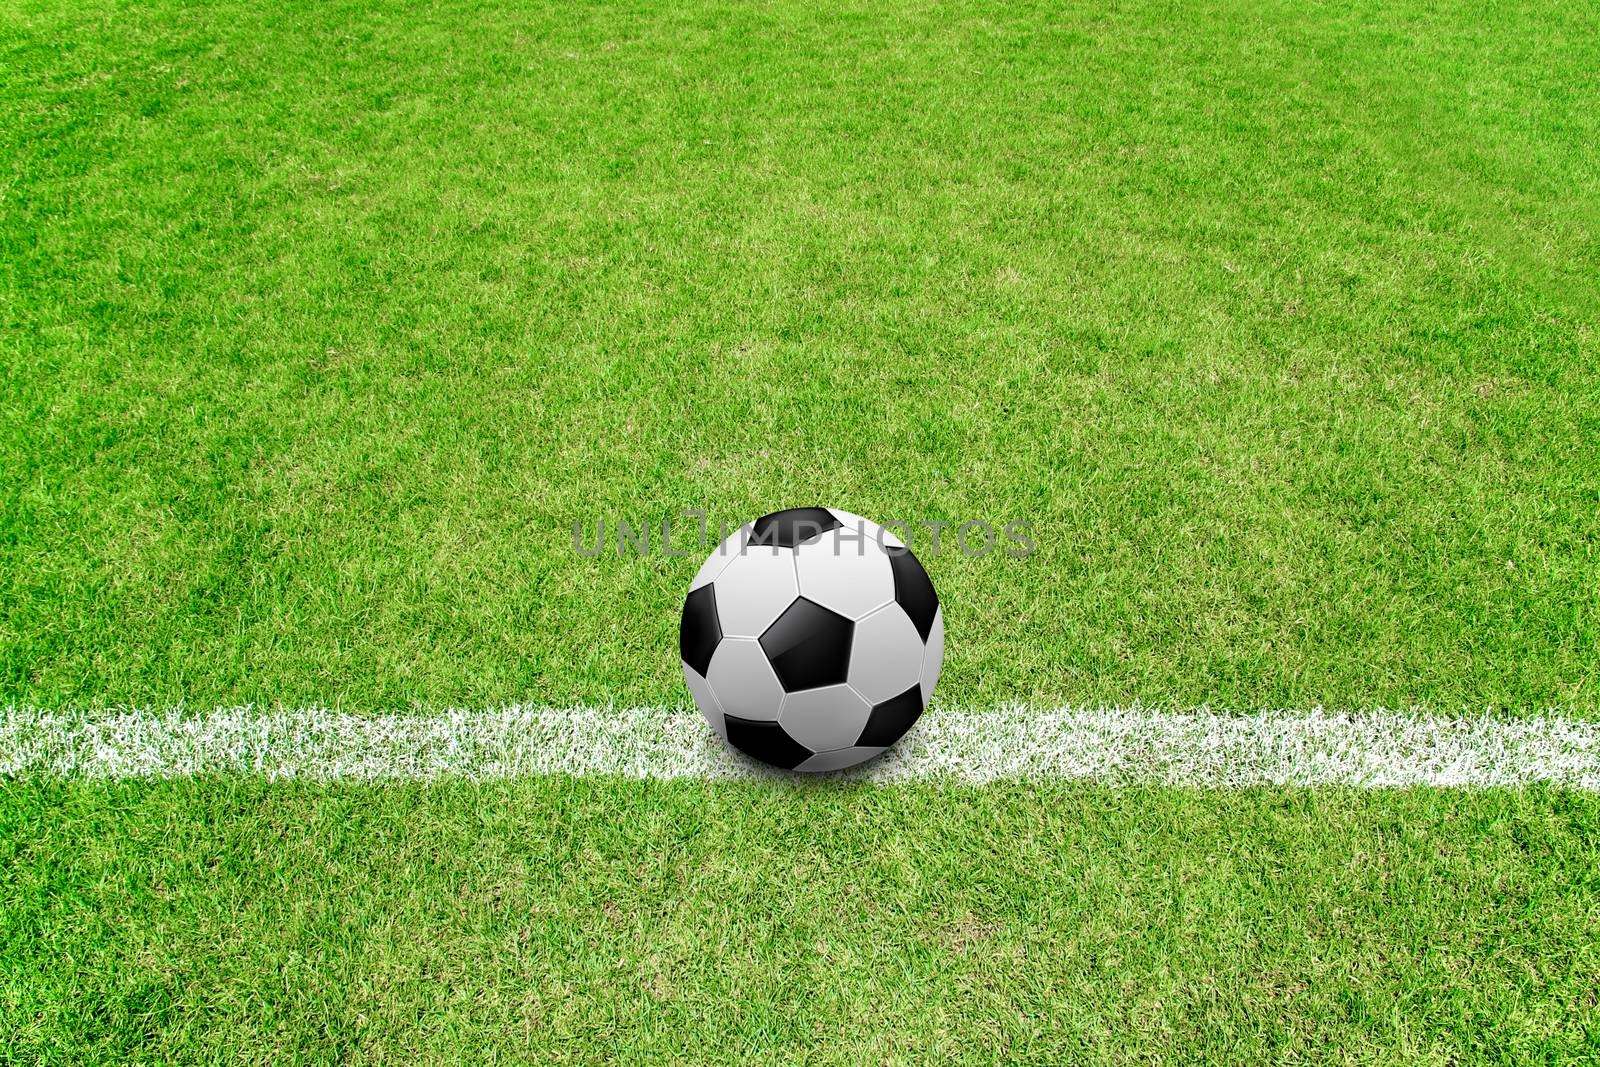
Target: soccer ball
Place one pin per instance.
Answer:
(811, 639)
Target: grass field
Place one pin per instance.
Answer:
(322, 324)
(576, 920)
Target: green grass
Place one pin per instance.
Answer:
(557, 921)
(320, 325)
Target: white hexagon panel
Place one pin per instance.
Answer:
(845, 571)
(754, 589)
(742, 681)
(894, 663)
(825, 719)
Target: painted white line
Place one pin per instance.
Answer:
(1122, 746)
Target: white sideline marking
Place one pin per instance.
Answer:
(1122, 746)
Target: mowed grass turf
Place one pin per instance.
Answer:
(557, 920)
(321, 325)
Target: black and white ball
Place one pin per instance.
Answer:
(811, 639)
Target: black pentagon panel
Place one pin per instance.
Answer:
(809, 646)
(913, 590)
(892, 718)
(785, 529)
(699, 632)
(765, 741)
